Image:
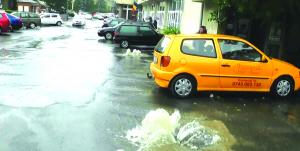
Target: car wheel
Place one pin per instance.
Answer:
(124, 44)
(108, 36)
(183, 86)
(283, 87)
(32, 25)
(59, 23)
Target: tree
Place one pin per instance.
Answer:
(263, 15)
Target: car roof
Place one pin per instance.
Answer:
(206, 36)
(136, 23)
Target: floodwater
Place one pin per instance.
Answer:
(65, 88)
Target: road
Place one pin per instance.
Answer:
(65, 88)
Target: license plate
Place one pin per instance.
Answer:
(155, 59)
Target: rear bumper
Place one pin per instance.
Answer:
(161, 78)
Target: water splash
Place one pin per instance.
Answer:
(157, 129)
(133, 53)
(160, 129)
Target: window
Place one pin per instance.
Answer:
(24, 15)
(113, 23)
(146, 31)
(54, 16)
(128, 30)
(46, 16)
(0, 15)
(32, 15)
(236, 50)
(162, 44)
(199, 47)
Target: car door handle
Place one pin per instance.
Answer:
(225, 65)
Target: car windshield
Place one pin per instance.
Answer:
(118, 24)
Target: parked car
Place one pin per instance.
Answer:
(187, 63)
(78, 20)
(15, 22)
(30, 20)
(136, 33)
(108, 32)
(51, 19)
(4, 22)
(108, 22)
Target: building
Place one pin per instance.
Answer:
(124, 9)
(188, 15)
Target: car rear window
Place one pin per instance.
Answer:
(162, 44)
(128, 30)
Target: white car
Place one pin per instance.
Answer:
(51, 19)
(78, 20)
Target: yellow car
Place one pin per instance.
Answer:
(189, 63)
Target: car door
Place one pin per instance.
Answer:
(148, 36)
(45, 19)
(129, 33)
(25, 18)
(243, 67)
(54, 18)
(200, 59)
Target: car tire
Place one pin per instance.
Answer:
(124, 44)
(32, 25)
(282, 87)
(108, 36)
(183, 86)
(59, 23)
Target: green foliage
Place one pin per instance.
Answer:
(8, 11)
(170, 30)
(267, 10)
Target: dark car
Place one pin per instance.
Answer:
(136, 33)
(30, 20)
(108, 32)
(113, 22)
(15, 22)
(4, 22)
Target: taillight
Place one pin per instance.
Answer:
(165, 61)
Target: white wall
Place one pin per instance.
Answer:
(191, 17)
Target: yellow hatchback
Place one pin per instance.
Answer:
(189, 63)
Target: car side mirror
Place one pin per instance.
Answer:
(264, 59)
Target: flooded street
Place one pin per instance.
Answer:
(66, 89)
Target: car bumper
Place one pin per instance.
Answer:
(161, 78)
(297, 84)
(100, 34)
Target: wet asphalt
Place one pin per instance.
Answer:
(65, 88)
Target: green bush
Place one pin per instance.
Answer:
(170, 30)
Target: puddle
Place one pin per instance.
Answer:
(161, 131)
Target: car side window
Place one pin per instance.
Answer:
(54, 16)
(1, 16)
(237, 50)
(32, 15)
(199, 47)
(146, 31)
(46, 16)
(128, 30)
(24, 15)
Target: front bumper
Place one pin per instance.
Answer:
(161, 78)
